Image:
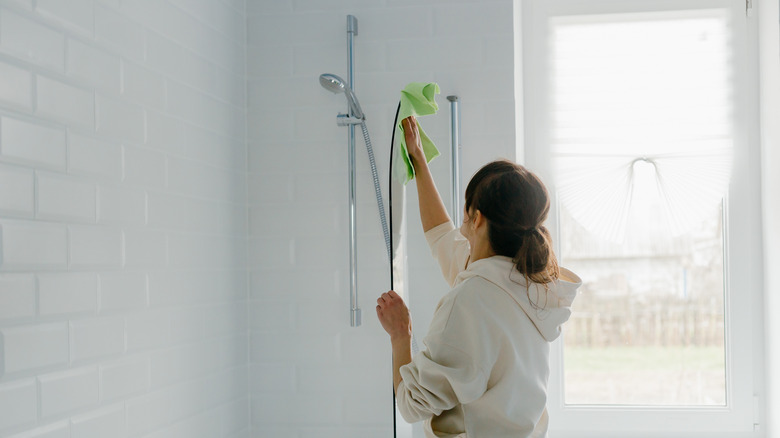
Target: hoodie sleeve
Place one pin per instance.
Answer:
(449, 248)
(448, 372)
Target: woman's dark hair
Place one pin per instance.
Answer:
(515, 203)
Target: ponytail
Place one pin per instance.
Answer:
(535, 258)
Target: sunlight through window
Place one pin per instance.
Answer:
(642, 137)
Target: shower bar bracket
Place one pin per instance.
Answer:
(347, 120)
(355, 318)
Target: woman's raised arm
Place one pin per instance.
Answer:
(432, 210)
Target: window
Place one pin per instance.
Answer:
(641, 149)
(637, 115)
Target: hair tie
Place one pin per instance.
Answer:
(526, 231)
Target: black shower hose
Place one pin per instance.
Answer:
(390, 213)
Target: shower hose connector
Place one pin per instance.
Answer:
(346, 120)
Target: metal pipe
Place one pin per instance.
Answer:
(457, 209)
(355, 317)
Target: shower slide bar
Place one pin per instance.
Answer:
(457, 209)
(353, 117)
(354, 311)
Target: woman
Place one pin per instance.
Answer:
(484, 371)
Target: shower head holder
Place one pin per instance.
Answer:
(337, 85)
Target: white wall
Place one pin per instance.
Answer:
(312, 374)
(769, 52)
(123, 211)
(123, 208)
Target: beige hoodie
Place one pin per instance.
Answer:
(484, 371)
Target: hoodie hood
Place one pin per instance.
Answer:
(547, 305)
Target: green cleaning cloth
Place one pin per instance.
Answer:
(417, 99)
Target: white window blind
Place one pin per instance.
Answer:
(641, 124)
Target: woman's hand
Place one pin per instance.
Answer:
(413, 142)
(432, 210)
(394, 316)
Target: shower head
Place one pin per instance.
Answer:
(332, 82)
(337, 85)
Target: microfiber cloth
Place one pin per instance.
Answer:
(417, 99)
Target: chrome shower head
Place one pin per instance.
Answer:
(332, 82)
(337, 85)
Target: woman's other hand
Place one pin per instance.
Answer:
(413, 142)
(394, 316)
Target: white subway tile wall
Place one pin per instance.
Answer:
(105, 422)
(16, 87)
(19, 403)
(30, 39)
(312, 375)
(63, 103)
(123, 210)
(17, 293)
(17, 196)
(173, 198)
(60, 429)
(80, 385)
(64, 293)
(35, 144)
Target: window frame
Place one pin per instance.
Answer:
(742, 250)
